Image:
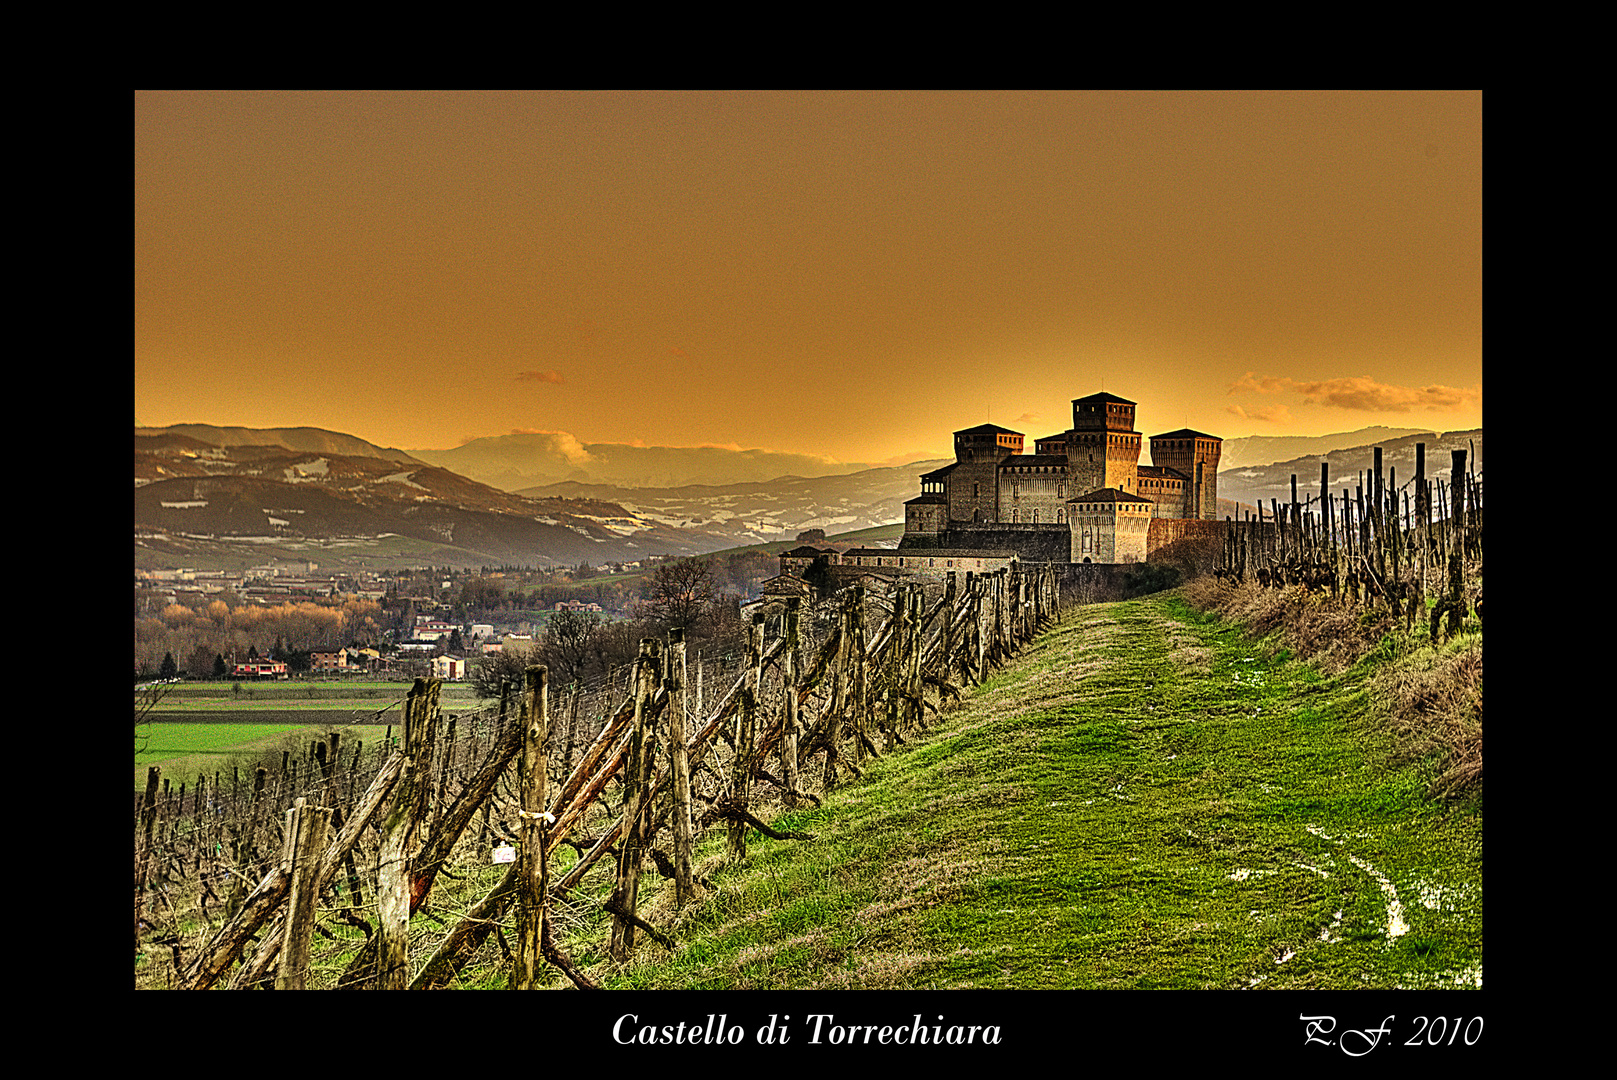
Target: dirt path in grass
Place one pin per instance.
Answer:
(1142, 800)
(1177, 811)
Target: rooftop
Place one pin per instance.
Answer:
(1109, 495)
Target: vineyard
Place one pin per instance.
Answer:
(522, 843)
(1411, 550)
(321, 870)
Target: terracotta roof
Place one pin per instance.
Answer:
(806, 551)
(937, 474)
(1186, 433)
(1113, 398)
(1109, 495)
(925, 499)
(987, 429)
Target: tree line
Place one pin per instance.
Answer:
(582, 646)
(192, 637)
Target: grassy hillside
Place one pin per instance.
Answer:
(1144, 800)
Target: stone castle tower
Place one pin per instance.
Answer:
(1196, 456)
(974, 482)
(1103, 449)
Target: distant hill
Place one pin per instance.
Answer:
(1270, 481)
(520, 462)
(1268, 449)
(759, 511)
(203, 501)
(233, 496)
(309, 440)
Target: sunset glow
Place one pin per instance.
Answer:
(850, 276)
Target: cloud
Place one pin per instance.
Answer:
(538, 376)
(563, 442)
(1025, 417)
(1359, 393)
(1277, 415)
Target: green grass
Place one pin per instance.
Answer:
(185, 751)
(1142, 800)
(182, 700)
(172, 740)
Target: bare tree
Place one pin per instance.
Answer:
(568, 643)
(497, 670)
(679, 594)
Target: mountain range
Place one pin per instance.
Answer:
(519, 461)
(207, 497)
(221, 497)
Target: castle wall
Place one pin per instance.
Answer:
(934, 562)
(1032, 490)
(1165, 531)
(1108, 532)
(1032, 543)
(1207, 479)
(1167, 493)
(974, 491)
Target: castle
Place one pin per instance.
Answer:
(1082, 496)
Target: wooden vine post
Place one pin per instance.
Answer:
(245, 844)
(148, 820)
(680, 755)
(300, 858)
(1456, 597)
(788, 672)
(974, 643)
(399, 834)
(746, 737)
(642, 746)
(531, 777)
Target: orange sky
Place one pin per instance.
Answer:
(853, 275)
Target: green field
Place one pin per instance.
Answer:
(200, 727)
(185, 751)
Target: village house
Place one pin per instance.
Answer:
(448, 667)
(260, 669)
